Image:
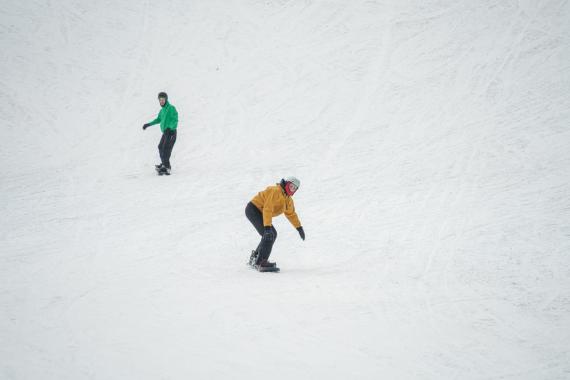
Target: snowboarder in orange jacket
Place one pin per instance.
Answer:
(271, 202)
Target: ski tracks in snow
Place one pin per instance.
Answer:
(432, 155)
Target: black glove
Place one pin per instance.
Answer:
(145, 126)
(301, 232)
(267, 233)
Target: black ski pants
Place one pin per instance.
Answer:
(266, 244)
(165, 146)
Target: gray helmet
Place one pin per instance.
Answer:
(293, 180)
(290, 185)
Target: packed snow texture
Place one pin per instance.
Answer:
(432, 142)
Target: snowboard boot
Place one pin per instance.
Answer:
(266, 264)
(158, 166)
(163, 170)
(253, 260)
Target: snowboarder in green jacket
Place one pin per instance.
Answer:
(168, 119)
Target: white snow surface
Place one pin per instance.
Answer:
(432, 141)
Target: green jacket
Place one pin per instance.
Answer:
(167, 117)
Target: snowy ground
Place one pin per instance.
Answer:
(432, 142)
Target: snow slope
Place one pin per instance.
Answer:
(432, 143)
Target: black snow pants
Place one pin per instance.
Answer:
(266, 244)
(165, 146)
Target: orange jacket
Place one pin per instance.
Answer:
(273, 202)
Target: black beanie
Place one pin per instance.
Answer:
(163, 95)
